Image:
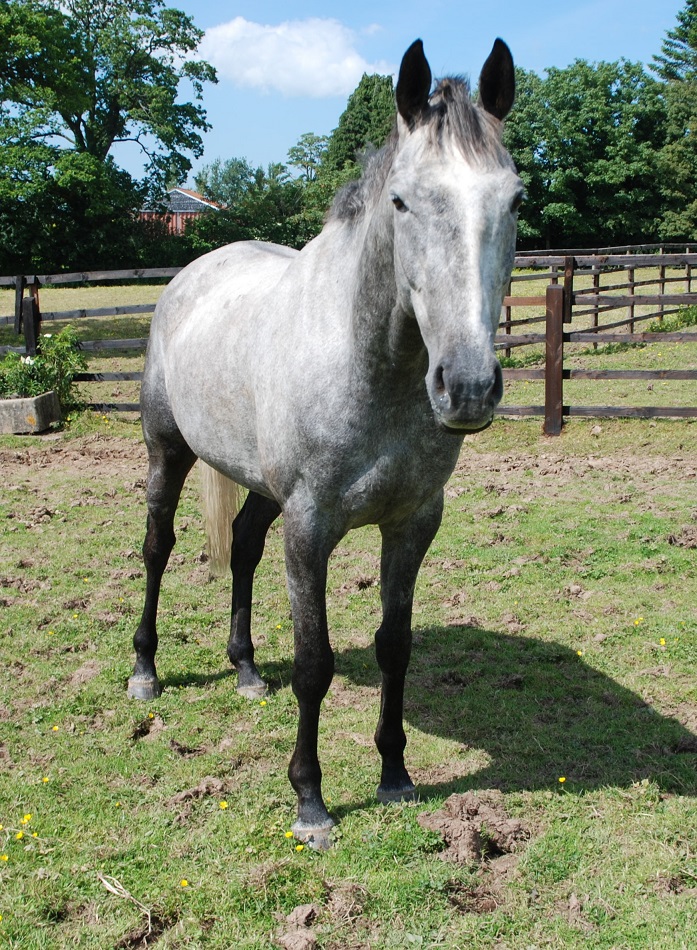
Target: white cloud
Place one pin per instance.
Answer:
(313, 57)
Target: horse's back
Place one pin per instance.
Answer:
(200, 350)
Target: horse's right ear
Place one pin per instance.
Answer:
(414, 84)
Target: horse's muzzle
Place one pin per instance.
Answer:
(464, 398)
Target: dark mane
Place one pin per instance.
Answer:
(451, 117)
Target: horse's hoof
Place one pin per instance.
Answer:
(317, 837)
(253, 692)
(144, 687)
(388, 795)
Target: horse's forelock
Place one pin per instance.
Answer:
(454, 119)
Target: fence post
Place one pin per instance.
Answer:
(20, 284)
(554, 360)
(569, 268)
(507, 321)
(31, 321)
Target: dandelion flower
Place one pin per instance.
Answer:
(263, 702)
(289, 834)
(183, 882)
(151, 715)
(579, 652)
(25, 820)
(562, 779)
(45, 779)
(300, 847)
(4, 857)
(35, 834)
(54, 728)
(117, 805)
(223, 805)
(662, 641)
(19, 835)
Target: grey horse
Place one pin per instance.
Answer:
(336, 384)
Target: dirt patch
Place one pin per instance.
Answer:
(296, 932)
(475, 826)
(149, 728)
(686, 539)
(83, 674)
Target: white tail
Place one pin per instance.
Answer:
(221, 499)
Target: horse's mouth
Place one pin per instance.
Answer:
(466, 428)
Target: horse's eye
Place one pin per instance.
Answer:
(517, 202)
(398, 203)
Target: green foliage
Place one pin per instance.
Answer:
(686, 317)
(54, 367)
(75, 79)
(307, 154)
(585, 142)
(678, 59)
(259, 206)
(366, 121)
(677, 66)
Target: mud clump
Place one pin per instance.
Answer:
(475, 827)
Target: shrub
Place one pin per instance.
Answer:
(54, 367)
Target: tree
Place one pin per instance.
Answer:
(76, 77)
(678, 60)
(307, 154)
(226, 182)
(366, 121)
(89, 73)
(677, 66)
(587, 141)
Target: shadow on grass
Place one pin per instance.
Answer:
(537, 710)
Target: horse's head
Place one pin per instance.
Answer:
(456, 196)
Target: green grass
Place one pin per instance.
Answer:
(555, 636)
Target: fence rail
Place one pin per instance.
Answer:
(572, 313)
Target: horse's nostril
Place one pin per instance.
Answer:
(439, 381)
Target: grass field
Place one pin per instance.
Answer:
(555, 638)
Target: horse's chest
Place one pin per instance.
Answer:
(398, 482)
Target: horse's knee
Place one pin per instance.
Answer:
(313, 671)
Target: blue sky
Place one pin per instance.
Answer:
(285, 69)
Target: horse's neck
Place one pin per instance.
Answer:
(386, 339)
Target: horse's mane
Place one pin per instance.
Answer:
(451, 118)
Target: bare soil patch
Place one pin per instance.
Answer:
(475, 826)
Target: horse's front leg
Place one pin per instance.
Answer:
(403, 549)
(249, 531)
(307, 550)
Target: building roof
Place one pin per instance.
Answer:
(183, 199)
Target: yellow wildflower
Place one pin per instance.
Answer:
(300, 847)
(562, 779)
(183, 882)
(19, 835)
(289, 834)
(223, 805)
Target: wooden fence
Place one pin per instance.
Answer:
(591, 297)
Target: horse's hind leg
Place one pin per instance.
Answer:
(169, 465)
(403, 550)
(249, 531)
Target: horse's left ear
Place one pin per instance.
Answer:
(414, 84)
(497, 81)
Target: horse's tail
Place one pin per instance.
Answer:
(221, 499)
